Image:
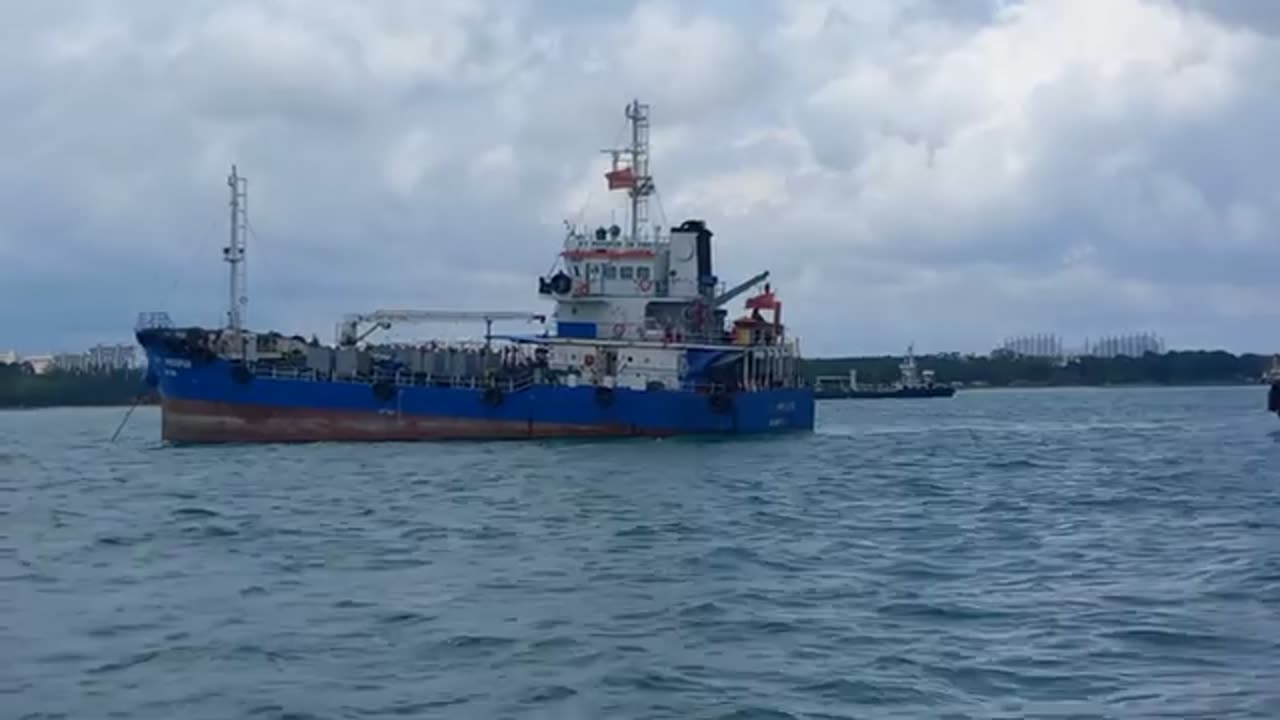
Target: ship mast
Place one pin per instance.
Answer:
(234, 255)
(639, 116)
(635, 177)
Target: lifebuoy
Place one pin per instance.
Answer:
(581, 288)
(619, 330)
(644, 285)
(588, 360)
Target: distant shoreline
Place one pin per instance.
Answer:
(1178, 368)
(63, 406)
(1113, 386)
(23, 389)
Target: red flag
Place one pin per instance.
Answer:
(620, 178)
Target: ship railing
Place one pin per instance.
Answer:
(704, 387)
(510, 382)
(269, 370)
(749, 387)
(520, 384)
(513, 382)
(153, 320)
(711, 388)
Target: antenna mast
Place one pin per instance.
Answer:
(234, 252)
(635, 176)
(639, 116)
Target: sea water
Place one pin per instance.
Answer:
(1001, 554)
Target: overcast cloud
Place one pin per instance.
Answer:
(939, 171)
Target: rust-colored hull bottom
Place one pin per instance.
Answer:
(198, 421)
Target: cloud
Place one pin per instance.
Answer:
(943, 172)
(1256, 15)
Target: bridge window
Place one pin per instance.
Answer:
(642, 272)
(626, 272)
(610, 271)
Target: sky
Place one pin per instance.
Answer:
(943, 172)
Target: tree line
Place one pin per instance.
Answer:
(1005, 369)
(20, 387)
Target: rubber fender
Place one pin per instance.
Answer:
(721, 402)
(492, 397)
(604, 396)
(384, 390)
(241, 374)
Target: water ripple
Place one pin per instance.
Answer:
(999, 555)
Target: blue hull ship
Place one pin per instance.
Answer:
(206, 404)
(640, 345)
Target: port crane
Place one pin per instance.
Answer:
(349, 331)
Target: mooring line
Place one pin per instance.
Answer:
(137, 401)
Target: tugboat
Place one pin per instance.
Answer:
(638, 347)
(912, 383)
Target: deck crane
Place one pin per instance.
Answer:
(738, 289)
(349, 334)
